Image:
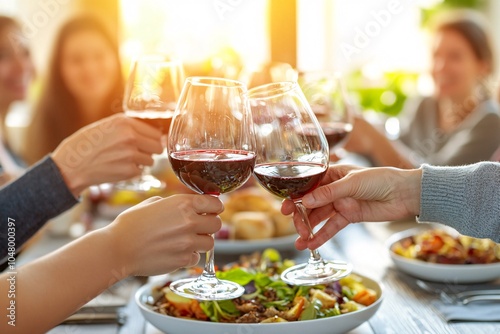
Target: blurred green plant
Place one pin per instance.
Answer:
(386, 94)
(428, 13)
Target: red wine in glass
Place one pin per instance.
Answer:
(151, 95)
(336, 133)
(211, 148)
(213, 172)
(290, 180)
(291, 164)
(159, 120)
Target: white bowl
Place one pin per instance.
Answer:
(338, 324)
(437, 272)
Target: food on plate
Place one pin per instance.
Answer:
(252, 214)
(249, 225)
(283, 224)
(267, 298)
(439, 246)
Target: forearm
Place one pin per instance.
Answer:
(465, 198)
(53, 287)
(31, 200)
(386, 153)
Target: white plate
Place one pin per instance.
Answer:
(448, 273)
(242, 246)
(332, 325)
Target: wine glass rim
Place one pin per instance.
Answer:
(215, 82)
(271, 90)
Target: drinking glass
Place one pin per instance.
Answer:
(327, 97)
(211, 148)
(292, 158)
(151, 94)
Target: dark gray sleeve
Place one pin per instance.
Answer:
(470, 145)
(29, 201)
(466, 198)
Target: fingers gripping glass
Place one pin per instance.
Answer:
(292, 158)
(211, 149)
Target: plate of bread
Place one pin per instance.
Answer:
(252, 221)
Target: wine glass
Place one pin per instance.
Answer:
(151, 95)
(292, 158)
(211, 148)
(327, 97)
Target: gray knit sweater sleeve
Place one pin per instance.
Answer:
(466, 198)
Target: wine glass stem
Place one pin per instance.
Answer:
(146, 170)
(209, 270)
(315, 256)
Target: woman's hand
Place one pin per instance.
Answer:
(352, 194)
(110, 150)
(154, 237)
(161, 235)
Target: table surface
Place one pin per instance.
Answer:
(405, 309)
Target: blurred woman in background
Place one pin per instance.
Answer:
(460, 124)
(84, 84)
(16, 72)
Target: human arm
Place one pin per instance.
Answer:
(109, 150)
(30, 201)
(351, 194)
(365, 139)
(466, 198)
(105, 151)
(154, 237)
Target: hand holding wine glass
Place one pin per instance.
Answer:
(211, 149)
(151, 96)
(292, 158)
(327, 97)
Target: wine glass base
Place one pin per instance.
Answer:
(316, 273)
(202, 289)
(144, 183)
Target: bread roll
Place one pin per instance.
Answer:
(283, 224)
(250, 199)
(250, 225)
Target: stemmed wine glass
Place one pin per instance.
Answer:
(327, 97)
(211, 148)
(292, 158)
(151, 95)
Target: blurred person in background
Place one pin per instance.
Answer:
(84, 84)
(460, 124)
(16, 72)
